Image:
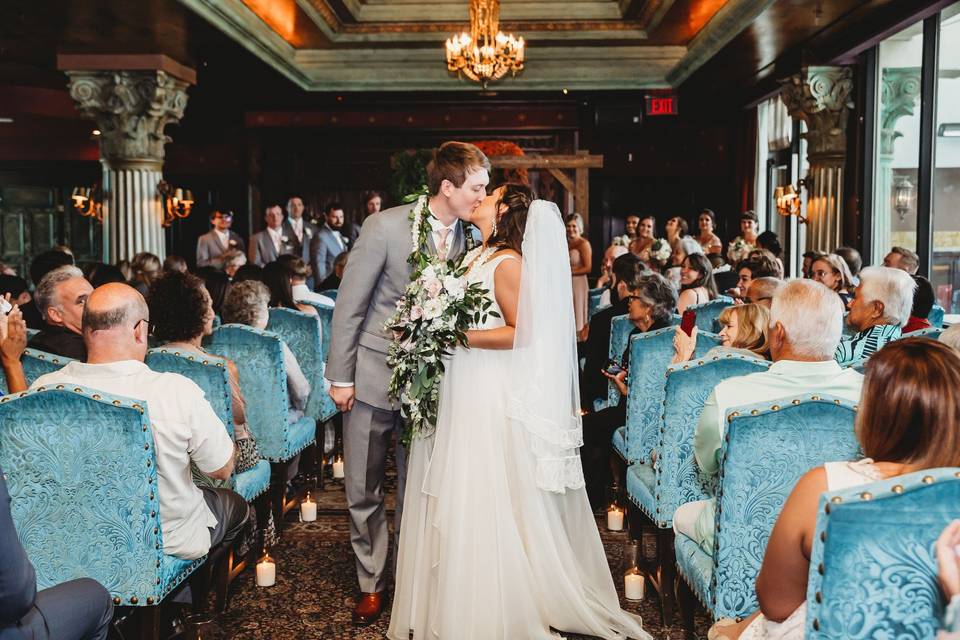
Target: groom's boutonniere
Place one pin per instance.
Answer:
(308, 232)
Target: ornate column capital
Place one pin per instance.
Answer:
(821, 97)
(131, 109)
(899, 95)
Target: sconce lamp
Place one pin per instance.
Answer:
(87, 201)
(788, 201)
(902, 197)
(177, 202)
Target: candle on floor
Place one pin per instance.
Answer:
(615, 519)
(308, 509)
(266, 571)
(633, 584)
(338, 468)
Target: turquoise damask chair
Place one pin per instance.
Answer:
(708, 312)
(767, 448)
(620, 328)
(594, 300)
(263, 380)
(936, 316)
(326, 326)
(930, 332)
(302, 333)
(35, 364)
(330, 293)
(82, 473)
(873, 571)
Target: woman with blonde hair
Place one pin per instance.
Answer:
(146, 268)
(744, 331)
(832, 271)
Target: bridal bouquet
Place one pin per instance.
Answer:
(661, 250)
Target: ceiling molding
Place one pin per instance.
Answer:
(732, 18)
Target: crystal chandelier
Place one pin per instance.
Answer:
(486, 54)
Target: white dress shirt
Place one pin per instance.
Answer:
(223, 237)
(185, 428)
(297, 224)
(436, 226)
(277, 236)
(301, 292)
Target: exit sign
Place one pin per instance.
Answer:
(662, 105)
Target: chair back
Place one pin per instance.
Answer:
(767, 448)
(330, 293)
(593, 298)
(35, 364)
(650, 355)
(302, 333)
(708, 312)
(936, 316)
(620, 328)
(873, 570)
(326, 326)
(82, 474)
(678, 480)
(208, 371)
(930, 332)
(263, 380)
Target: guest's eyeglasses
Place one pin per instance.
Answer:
(149, 324)
(630, 299)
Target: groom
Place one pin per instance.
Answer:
(376, 276)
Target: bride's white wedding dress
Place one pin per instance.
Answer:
(484, 552)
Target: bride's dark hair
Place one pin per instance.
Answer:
(513, 222)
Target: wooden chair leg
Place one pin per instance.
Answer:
(147, 621)
(667, 568)
(278, 483)
(261, 504)
(223, 572)
(200, 585)
(688, 606)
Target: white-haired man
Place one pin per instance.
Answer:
(880, 308)
(806, 320)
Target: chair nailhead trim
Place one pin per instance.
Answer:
(898, 488)
(134, 600)
(816, 625)
(866, 495)
(927, 480)
(150, 598)
(819, 597)
(820, 568)
(117, 600)
(836, 499)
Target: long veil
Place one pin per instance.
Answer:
(544, 395)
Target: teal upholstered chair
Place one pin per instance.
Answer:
(330, 293)
(82, 473)
(873, 571)
(708, 312)
(650, 355)
(936, 316)
(302, 333)
(930, 332)
(326, 325)
(32, 332)
(620, 328)
(594, 300)
(35, 364)
(767, 448)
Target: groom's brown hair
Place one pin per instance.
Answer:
(453, 161)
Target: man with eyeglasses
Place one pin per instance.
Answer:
(116, 326)
(212, 245)
(761, 291)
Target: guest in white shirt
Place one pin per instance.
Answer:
(185, 427)
(805, 327)
(298, 273)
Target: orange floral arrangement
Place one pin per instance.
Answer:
(505, 148)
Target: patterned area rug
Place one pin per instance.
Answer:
(316, 585)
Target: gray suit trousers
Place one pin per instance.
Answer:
(368, 433)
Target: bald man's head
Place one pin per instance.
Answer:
(113, 305)
(762, 290)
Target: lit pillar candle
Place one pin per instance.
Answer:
(615, 519)
(633, 584)
(308, 509)
(266, 571)
(338, 468)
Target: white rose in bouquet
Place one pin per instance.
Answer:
(433, 287)
(432, 308)
(454, 286)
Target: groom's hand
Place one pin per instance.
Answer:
(343, 397)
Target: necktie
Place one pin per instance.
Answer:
(442, 248)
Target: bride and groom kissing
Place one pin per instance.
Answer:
(496, 539)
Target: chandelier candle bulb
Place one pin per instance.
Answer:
(266, 571)
(308, 509)
(615, 519)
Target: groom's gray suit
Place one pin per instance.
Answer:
(375, 278)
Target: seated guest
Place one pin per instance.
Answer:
(596, 349)
(696, 282)
(769, 255)
(612, 252)
(650, 303)
(116, 321)
(805, 326)
(744, 331)
(20, 296)
(39, 267)
(683, 247)
(74, 610)
(923, 301)
(217, 284)
(951, 337)
(99, 273)
(213, 246)
(277, 278)
(831, 271)
(247, 303)
(248, 272)
(879, 309)
(333, 280)
(762, 290)
(854, 262)
(903, 259)
(145, 267)
(233, 260)
(808, 258)
(181, 310)
(907, 422)
(174, 263)
(298, 272)
(758, 266)
(13, 342)
(61, 296)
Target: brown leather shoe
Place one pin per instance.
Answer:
(368, 609)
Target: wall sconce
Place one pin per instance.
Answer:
(88, 202)
(177, 202)
(788, 201)
(902, 197)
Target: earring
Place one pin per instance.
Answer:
(493, 230)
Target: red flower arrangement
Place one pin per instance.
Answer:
(505, 148)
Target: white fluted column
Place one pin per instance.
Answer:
(131, 109)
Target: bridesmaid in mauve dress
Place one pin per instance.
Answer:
(581, 257)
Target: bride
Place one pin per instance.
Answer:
(497, 539)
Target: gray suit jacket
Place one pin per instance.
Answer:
(209, 248)
(324, 250)
(262, 251)
(376, 276)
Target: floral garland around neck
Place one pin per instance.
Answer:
(432, 318)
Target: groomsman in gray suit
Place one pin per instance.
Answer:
(375, 278)
(300, 232)
(212, 245)
(271, 243)
(328, 243)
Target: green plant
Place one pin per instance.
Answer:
(409, 172)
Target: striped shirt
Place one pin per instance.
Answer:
(865, 343)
